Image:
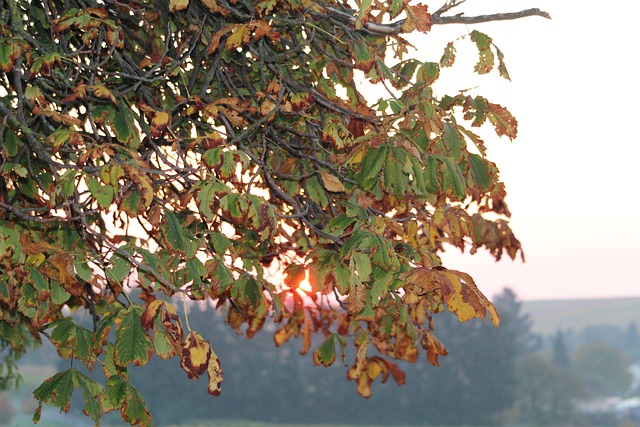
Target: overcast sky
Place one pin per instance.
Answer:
(573, 174)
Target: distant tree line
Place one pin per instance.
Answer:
(491, 377)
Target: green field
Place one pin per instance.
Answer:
(549, 316)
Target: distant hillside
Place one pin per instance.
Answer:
(548, 316)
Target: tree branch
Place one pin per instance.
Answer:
(460, 19)
(436, 19)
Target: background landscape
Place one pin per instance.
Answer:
(556, 363)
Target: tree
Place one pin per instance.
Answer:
(545, 391)
(559, 352)
(204, 149)
(604, 368)
(477, 383)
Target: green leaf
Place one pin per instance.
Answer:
(91, 392)
(371, 165)
(431, 175)
(363, 265)
(394, 177)
(380, 285)
(83, 270)
(316, 190)
(11, 142)
(133, 345)
(121, 394)
(363, 59)
(264, 7)
(325, 354)
(449, 55)
(119, 269)
(59, 294)
(452, 140)
(252, 291)
(56, 391)
(178, 237)
(9, 52)
(485, 55)
(452, 178)
(103, 194)
(480, 171)
(124, 127)
(428, 72)
(502, 68)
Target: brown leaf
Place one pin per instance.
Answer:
(65, 273)
(503, 122)
(177, 5)
(332, 183)
(418, 18)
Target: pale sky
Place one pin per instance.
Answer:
(572, 174)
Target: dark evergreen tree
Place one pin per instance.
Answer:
(559, 353)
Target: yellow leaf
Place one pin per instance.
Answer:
(215, 372)
(35, 260)
(102, 92)
(373, 370)
(176, 5)
(239, 37)
(195, 356)
(159, 123)
(332, 183)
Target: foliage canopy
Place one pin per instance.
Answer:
(205, 149)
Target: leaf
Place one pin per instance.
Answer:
(502, 120)
(177, 5)
(325, 353)
(56, 391)
(332, 183)
(133, 345)
(239, 36)
(449, 56)
(215, 373)
(104, 194)
(9, 51)
(480, 171)
(371, 165)
(102, 92)
(294, 274)
(177, 237)
(485, 55)
(452, 178)
(363, 11)
(362, 56)
(213, 6)
(264, 7)
(124, 127)
(195, 356)
(502, 68)
(160, 121)
(418, 18)
(120, 394)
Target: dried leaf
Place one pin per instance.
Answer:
(332, 183)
